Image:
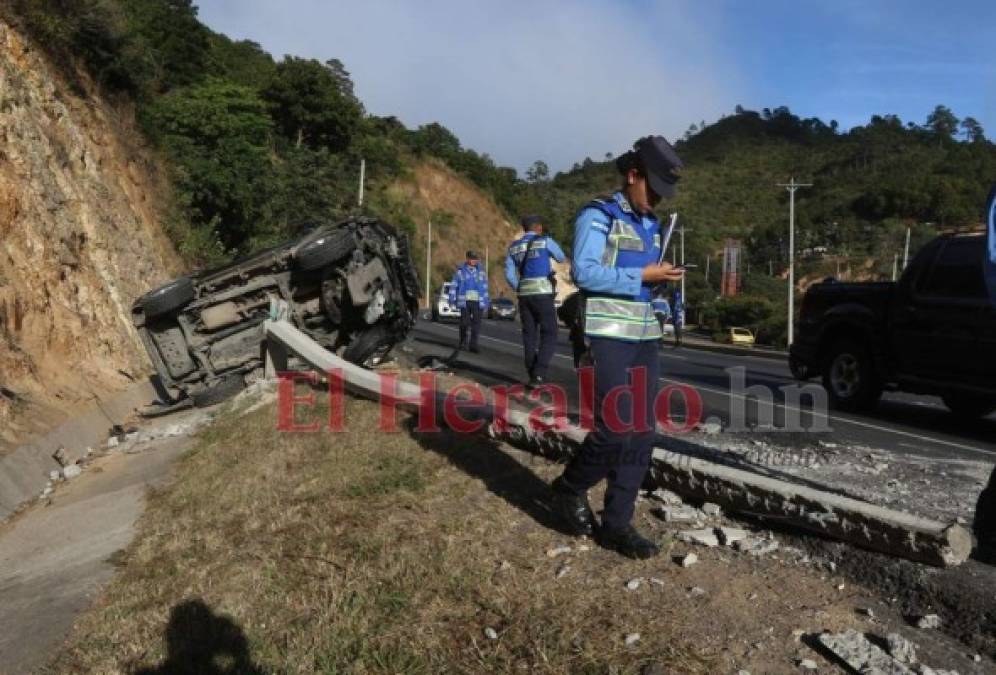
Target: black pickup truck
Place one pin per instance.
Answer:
(931, 332)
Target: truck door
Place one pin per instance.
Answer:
(949, 318)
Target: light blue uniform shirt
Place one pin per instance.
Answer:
(512, 269)
(591, 230)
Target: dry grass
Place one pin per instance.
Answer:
(361, 552)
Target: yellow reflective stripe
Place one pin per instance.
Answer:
(472, 295)
(535, 286)
(621, 330)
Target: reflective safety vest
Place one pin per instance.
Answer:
(628, 244)
(470, 284)
(532, 259)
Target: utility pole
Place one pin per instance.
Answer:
(485, 261)
(906, 251)
(708, 260)
(792, 186)
(683, 300)
(895, 264)
(428, 267)
(363, 174)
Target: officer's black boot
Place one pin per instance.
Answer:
(627, 541)
(573, 508)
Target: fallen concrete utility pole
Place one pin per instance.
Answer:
(831, 515)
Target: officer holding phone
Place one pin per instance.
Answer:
(617, 262)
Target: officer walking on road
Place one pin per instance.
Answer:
(617, 261)
(469, 292)
(528, 271)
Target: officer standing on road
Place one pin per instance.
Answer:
(617, 261)
(528, 271)
(662, 310)
(469, 292)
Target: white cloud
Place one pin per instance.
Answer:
(518, 80)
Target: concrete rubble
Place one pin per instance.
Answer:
(928, 622)
(862, 655)
(687, 560)
(706, 537)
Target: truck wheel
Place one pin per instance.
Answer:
(169, 298)
(849, 377)
(322, 252)
(968, 406)
(222, 390)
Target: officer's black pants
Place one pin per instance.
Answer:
(470, 318)
(539, 332)
(619, 455)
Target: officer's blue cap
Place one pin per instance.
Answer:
(529, 221)
(661, 164)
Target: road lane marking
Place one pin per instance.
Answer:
(845, 420)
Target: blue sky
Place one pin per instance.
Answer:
(560, 80)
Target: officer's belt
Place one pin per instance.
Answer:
(471, 295)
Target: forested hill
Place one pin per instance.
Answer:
(868, 184)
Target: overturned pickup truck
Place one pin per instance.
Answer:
(351, 286)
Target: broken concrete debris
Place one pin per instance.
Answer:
(712, 510)
(631, 639)
(678, 514)
(900, 648)
(633, 584)
(728, 536)
(71, 471)
(687, 560)
(928, 621)
(807, 664)
(558, 551)
(860, 654)
(666, 497)
(706, 537)
(490, 633)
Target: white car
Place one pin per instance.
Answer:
(442, 309)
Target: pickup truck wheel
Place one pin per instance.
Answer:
(849, 377)
(168, 299)
(968, 406)
(322, 252)
(223, 390)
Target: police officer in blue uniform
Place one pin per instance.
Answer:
(617, 262)
(528, 271)
(662, 310)
(469, 292)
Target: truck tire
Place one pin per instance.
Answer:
(968, 406)
(168, 299)
(325, 251)
(375, 341)
(849, 377)
(222, 390)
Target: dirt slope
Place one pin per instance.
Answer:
(463, 217)
(79, 240)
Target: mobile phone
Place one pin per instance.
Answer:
(687, 266)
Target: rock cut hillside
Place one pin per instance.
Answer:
(80, 238)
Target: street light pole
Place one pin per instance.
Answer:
(792, 186)
(684, 302)
(363, 175)
(428, 267)
(906, 251)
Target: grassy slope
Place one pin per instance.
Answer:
(357, 552)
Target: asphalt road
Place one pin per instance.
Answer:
(902, 423)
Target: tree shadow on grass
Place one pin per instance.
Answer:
(200, 642)
(503, 475)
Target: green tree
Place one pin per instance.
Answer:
(217, 135)
(309, 105)
(942, 122)
(972, 130)
(538, 172)
(169, 46)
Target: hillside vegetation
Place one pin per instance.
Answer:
(259, 146)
